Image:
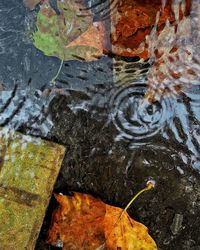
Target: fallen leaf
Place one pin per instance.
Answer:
(66, 35)
(82, 222)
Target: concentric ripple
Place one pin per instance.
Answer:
(193, 95)
(135, 118)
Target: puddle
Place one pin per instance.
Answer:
(124, 119)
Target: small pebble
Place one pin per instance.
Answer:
(176, 224)
(180, 170)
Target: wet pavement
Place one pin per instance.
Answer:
(116, 139)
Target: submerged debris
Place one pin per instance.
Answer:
(177, 224)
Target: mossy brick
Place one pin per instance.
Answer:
(29, 167)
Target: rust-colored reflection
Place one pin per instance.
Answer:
(135, 19)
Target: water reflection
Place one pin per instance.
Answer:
(102, 9)
(143, 99)
(175, 55)
(122, 119)
(126, 70)
(19, 108)
(193, 97)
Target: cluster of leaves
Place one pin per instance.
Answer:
(69, 32)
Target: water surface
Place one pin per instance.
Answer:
(101, 110)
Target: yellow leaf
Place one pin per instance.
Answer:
(84, 223)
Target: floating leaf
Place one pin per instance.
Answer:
(71, 25)
(82, 222)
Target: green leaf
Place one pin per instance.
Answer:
(56, 31)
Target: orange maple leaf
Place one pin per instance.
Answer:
(82, 222)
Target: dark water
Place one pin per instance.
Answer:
(116, 139)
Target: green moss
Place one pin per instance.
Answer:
(28, 170)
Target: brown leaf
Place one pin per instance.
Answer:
(78, 222)
(84, 223)
(93, 37)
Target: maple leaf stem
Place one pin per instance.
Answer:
(148, 187)
(53, 80)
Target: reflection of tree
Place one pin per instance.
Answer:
(176, 58)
